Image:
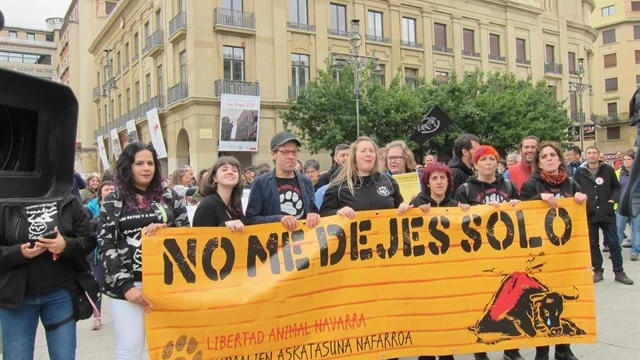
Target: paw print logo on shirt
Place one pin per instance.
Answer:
(291, 203)
(182, 349)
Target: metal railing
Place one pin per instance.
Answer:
(300, 26)
(49, 44)
(135, 57)
(295, 90)
(496, 57)
(97, 93)
(442, 48)
(177, 92)
(237, 87)
(470, 53)
(336, 32)
(179, 22)
(380, 39)
(156, 102)
(523, 61)
(155, 39)
(610, 118)
(125, 67)
(412, 44)
(234, 18)
(553, 68)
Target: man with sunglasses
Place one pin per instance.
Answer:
(283, 195)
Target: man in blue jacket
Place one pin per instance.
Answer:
(283, 195)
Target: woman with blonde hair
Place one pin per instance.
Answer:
(89, 193)
(359, 185)
(400, 158)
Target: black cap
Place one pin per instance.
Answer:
(283, 138)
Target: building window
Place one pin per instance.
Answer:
(571, 57)
(610, 60)
(609, 36)
(494, 45)
(159, 19)
(521, 46)
(126, 52)
(183, 67)
(440, 35)
(120, 110)
(31, 36)
(375, 24)
(442, 76)
(613, 133)
(409, 30)
(300, 70)
(468, 41)
(48, 37)
(13, 34)
(233, 63)
(136, 44)
(118, 62)
(128, 99)
(550, 54)
(608, 10)
(7, 56)
(611, 84)
(147, 32)
(137, 93)
(299, 11)
(635, 6)
(573, 105)
(636, 32)
(159, 75)
(637, 56)
(338, 64)
(379, 74)
(411, 77)
(612, 108)
(109, 6)
(338, 18)
(235, 5)
(147, 81)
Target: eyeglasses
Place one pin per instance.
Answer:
(394, 158)
(289, 152)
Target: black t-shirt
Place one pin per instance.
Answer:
(131, 224)
(290, 197)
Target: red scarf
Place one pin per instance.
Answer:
(553, 179)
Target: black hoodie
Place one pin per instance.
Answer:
(476, 192)
(375, 192)
(461, 172)
(423, 198)
(535, 186)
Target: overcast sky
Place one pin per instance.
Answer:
(32, 13)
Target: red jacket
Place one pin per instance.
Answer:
(519, 174)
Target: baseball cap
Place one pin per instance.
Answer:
(283, 138)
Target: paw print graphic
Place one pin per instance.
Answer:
(183, 349)
(291, 203)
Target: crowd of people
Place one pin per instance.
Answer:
(135, 200)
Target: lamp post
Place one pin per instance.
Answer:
(580, 87)
(356, 61)
(109, 84)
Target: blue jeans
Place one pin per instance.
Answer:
(611, 239)
(19, 326)
(622, 222)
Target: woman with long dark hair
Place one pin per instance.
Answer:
(222, 191)
(139, 206)
(549, 182)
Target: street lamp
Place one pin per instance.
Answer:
(580, 87)
(356, 61)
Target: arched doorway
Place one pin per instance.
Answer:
(182, 148)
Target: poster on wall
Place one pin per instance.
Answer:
(132, 132)
(116, 149)
(239, 119)
(156, 133)
(102, 152)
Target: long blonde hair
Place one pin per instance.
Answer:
(349, 172)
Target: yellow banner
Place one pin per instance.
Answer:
(409, 184)
(381, 285)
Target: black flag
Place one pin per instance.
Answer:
(431, 125)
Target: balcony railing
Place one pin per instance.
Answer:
(177, 92)
(552, 68)
(132, 114)
(135, 58)
(609, 119)
(155, 40)
(523, 61)
(294, 91)
(336, 32)
(442, 49)
(300, 26)
(143, 108)
(412, 44)
(237, 87)
(156, 102)
(496, 57)
(179, 22)
(97, 93)
(380, 39)
(470, 53)
(125, 67)
(234, 18)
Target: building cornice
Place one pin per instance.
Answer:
(590, 2)
(515, 5)
(590, 30)
(616, 23)
(112, 22)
